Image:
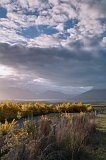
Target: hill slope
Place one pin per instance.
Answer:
(53, 95)
(13, 93)
(94, 95)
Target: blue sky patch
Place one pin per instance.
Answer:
(63, 36)
(70, 23)
(35, 31)
(45, 29)
(103, 21)
(3, 12)
(103, 34)
(28, 13)
(30, 32)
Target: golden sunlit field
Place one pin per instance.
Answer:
(12, 110)
(64, 136)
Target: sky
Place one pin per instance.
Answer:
(57, 45)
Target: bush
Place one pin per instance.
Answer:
(10, 110)
(7, 127)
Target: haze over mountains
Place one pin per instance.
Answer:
(12, 93)
(94, 95)
(53, 95)
(18, 93)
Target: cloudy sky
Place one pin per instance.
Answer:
(55, 45)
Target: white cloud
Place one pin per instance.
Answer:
(59, 18)
(6, 71)
(11, 37)
(29, 4)
(40, 80)
(60, 27)
(88, 12)
(44, 41)
(2, 2)
(52, 13)
(90, 28)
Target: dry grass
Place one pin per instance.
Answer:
(61, 138)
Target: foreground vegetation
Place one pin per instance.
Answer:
(98, 147)
(12, 110)
(61, 138)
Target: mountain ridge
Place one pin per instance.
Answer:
(53, 95)
(94, 95)
(12, 93)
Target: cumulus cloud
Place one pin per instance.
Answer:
(54, 13)
(45, 42)
(53, 43)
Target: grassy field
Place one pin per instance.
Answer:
(97, 150)
(101, 136)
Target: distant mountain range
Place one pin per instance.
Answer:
(53, 95)
(94, 95)
(12, 93)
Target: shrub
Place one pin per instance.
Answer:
(7, 127)
(10, 110)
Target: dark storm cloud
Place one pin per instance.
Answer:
(76, 67)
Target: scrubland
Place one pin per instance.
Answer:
(65, 136)
(13, 110)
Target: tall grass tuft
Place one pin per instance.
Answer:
(59, 138)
